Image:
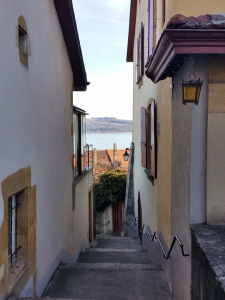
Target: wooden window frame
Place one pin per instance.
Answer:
(151, 27)
(140, 55)
(81, 159)
(148, 138)
(23, 41)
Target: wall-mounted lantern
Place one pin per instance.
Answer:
(126, 155)
(191, 90)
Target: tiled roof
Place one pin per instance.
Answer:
(119, 157)
(201, 22)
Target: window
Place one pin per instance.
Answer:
(12, 230)
(82, 153)
(18, 231)
(148, 139)
(140, 55)
(151, 25)
(23, 41)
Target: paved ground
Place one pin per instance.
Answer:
(116, 268)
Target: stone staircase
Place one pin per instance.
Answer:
(115, 268)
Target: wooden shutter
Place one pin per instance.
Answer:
(143, 137)
(150, 26)
(142, 50)
(153, 140)
(137, 60)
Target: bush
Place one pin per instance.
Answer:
(111, 187)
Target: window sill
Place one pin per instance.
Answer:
(16, 272)
(149, 173)
(81, 176)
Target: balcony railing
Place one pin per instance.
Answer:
(87, 157)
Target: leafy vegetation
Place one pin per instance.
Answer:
(111, 187)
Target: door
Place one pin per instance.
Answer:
(139, 217)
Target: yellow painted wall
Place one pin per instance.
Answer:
(141, 95)
(164, 97)
(164, 100)
(216, 141)
(193, 8)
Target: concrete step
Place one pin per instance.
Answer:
(106, 266)
(106, 284)
(116, 242)
(128, 256)
(39, 298)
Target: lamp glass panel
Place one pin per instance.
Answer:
(198, 92)
(189, 93)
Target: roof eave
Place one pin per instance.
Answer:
(131, 32)
(66, 16)
(174, 42)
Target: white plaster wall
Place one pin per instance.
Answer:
(141, 97)
(35, 123)
(80, 223)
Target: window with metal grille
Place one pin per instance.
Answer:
(12, 230)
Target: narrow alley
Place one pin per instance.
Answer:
(115, 268)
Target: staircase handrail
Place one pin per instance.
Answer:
(156, 236)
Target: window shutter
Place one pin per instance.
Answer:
(142, 49)
(143, 137)
(137, 60)
(150, 26)
(153, 140)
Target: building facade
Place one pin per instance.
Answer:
(45, 206)
(178, 149)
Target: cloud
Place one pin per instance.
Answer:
(103, 30)
(110, 94)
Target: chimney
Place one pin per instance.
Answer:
(114, 153)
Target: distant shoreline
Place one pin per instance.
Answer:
(94, 132)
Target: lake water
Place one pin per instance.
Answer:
(103, 141)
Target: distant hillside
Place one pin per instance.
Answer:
(108, 125)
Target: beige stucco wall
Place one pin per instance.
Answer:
(78, 227)
(164, 152)
(141, 97)
(216, 141)
(156, 201)
(80, 216)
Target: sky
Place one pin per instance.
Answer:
(103, 32)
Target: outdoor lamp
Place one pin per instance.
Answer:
(191, 90)
(126, 155)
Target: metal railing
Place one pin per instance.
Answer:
(88, 157)
(123, 225)
(103, 224)
(156, 236)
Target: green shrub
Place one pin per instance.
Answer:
(111, 187)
